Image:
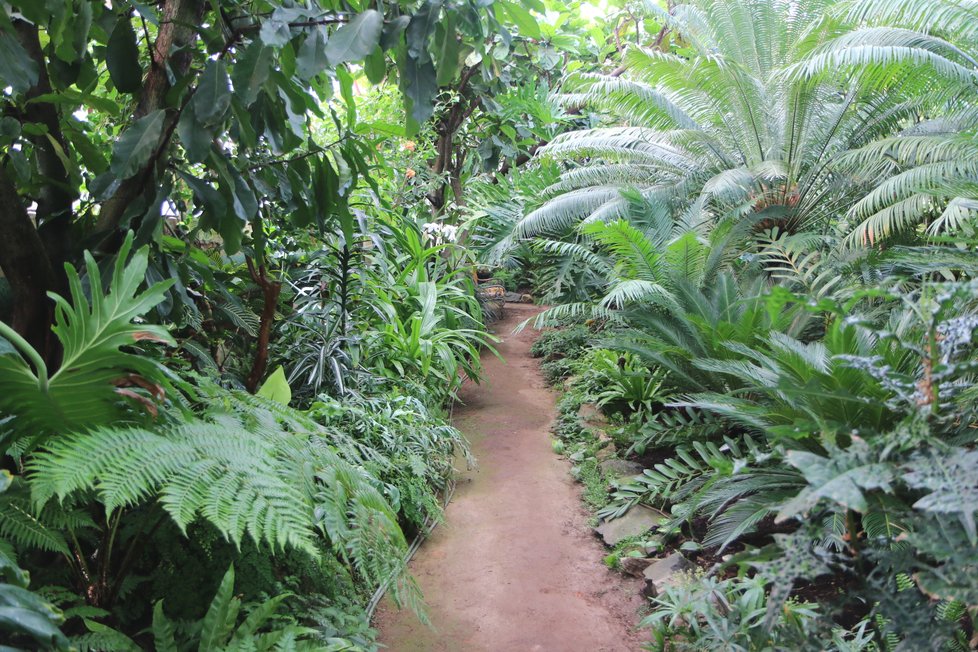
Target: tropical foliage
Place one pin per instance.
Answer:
(241, 251)
(767, 234)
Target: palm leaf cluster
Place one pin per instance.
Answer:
(783, 114)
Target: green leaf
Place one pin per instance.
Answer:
(213, 96)
(522, 18)
(245, 203)
(17, 68)
(136, 146)
(220, 616)
(420, 87)
(420, 28)
(840, 478)
(164, 631)
(122, 57)
(375, 66)
(276, 387)
(92, 332)
(311, 59)
(251, 72)
(355, 40)
(111, 639)
(32, 623)
(211, 202)
(448, 49)
(195, 137)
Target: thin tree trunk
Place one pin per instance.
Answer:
(270, 292)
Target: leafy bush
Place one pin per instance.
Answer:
(568, 342)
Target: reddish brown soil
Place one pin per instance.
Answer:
(514, 567)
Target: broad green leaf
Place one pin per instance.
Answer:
(392, 32)
(70, 37)
(521, 18)
(220, 616)
(276, 387)
(355, 40)
(311, 59)
(375, 66)
(195, 137)
(30, 621)
(421, 27)
(251, 72)
(122, 57)
(93, 333)
(17, 69)
(136, 146)
(275, 32)
(419, 86)
(213, 96)
(245, 203)
(164, 631)
(73, 97)
(209, 200)
(447, 52)
(841, 478)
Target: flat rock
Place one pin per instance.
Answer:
(620, 468)
(663, 573)
(606, 452)
(590, 414)
(634, 566)
(638, 520)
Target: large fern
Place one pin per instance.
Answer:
(247, 466)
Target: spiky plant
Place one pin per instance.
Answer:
(740, 128)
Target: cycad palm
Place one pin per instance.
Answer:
(737, 130)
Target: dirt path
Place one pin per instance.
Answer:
(514, 567)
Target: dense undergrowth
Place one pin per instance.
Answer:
(240, 245)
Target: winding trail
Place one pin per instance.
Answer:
(514, 567)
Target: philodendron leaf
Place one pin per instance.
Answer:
(122, 57)
(355, 40)
(135, 147)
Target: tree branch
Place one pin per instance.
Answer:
(176, 33)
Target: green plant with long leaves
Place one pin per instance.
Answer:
(222, 629)
(734, 130)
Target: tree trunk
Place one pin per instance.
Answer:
(54, 200)
(28, 270)
(270, 292)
